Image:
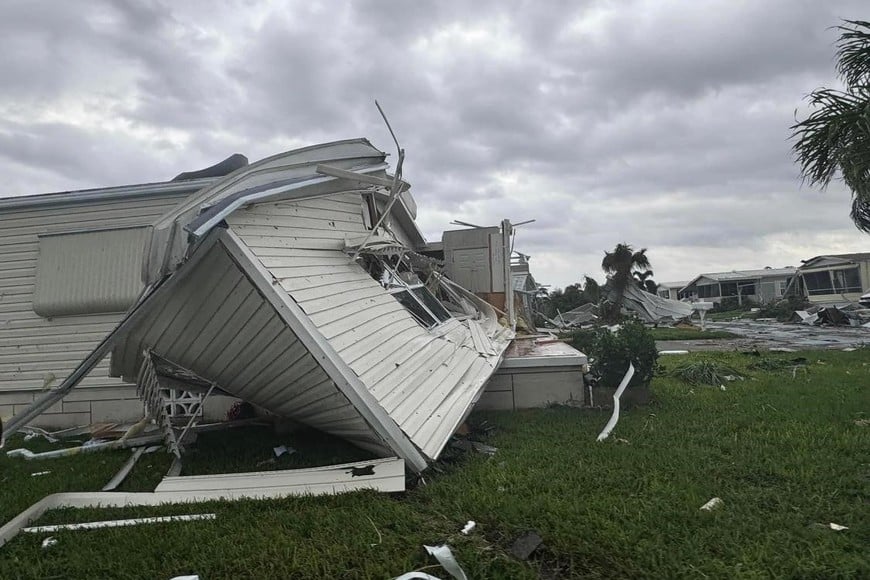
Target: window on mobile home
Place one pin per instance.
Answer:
(89, 272)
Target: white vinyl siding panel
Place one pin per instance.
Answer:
(66, 340)
(413, 373)
(89, 272)
(218, 325)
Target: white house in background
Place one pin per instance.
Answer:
(671, 290)
(835, 279)
(759, 286)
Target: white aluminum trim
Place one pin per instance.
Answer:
(543, 361)
(236, 204)
(102, 194)
(394, 480)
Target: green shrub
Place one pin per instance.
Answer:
(613, 351)
(584, 339)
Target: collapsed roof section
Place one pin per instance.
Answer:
(652, 308)
(269, 304)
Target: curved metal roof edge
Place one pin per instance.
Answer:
(105, 193)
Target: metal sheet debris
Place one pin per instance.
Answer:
(125, 470)
(445, 557)
(387, 475)
(712, 504)
(283, 450)
(652, 308)
(525, 545)
(118, 523)
(614, 417)
(195, 489)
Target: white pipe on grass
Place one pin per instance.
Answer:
(614, 417)
(118, 523)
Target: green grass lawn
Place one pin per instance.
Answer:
(783, 452)
(688, 333)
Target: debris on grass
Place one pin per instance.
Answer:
(712, 504)
(614, 417)
(39, 473)
(49, 542)
(446, 559)
(706, 372)
(483, 448)
(769, 364)
(830, 526)
(283, 450)
(118, 523)
(524, 546)
(125, 470)
(377, 531)
(468, 527)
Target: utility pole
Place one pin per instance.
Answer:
(506, 235)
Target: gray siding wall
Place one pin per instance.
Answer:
(37, 353)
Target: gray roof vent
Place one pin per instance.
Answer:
(225, 167)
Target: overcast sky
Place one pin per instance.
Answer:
(659, 123)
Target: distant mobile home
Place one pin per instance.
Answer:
(759, 286)
(836, 279)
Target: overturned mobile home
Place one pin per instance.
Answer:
(293, 284)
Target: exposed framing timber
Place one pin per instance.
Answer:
(335, 367)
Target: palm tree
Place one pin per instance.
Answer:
(835, 137)
(619, 265)
(644, 280)
(591, 289)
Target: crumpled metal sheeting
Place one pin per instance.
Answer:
(651, 308)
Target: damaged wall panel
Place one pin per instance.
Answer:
(366, 326)
(218, 325)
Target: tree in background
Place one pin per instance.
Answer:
(619, 266)
(645, 281)
(591, 290)
(572, 296)
(836, 135)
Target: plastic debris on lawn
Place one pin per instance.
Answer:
(712, 504)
